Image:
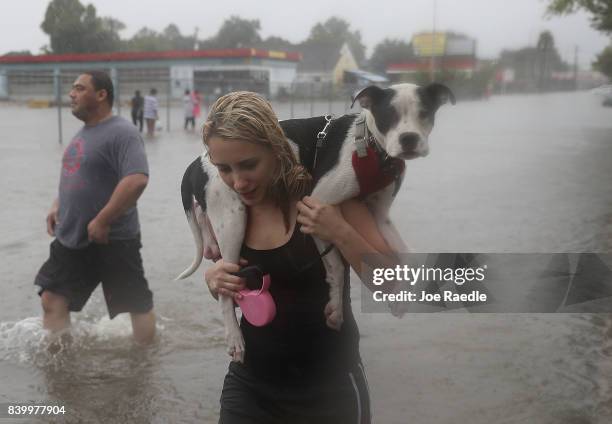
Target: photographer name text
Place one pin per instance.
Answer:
(445, 296)
(422, 274)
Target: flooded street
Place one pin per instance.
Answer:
(514, 174)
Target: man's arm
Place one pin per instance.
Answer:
(124, 197)
(52, 217)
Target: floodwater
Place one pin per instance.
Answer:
(511, 174)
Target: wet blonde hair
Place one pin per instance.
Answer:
(247, 116)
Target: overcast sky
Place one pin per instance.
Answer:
(496, 24)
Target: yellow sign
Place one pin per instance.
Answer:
(429, 44)
(277, 55)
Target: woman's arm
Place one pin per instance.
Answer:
(220, 280)
(350, 227)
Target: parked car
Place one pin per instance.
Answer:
(605, 91)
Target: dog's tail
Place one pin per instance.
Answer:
(192, 189)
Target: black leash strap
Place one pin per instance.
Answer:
(321, 135)
(320, 139)
(311, 263)
(249, 271)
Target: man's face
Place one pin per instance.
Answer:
(84, 99)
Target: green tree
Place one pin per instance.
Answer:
(545, 51)
(278, 43)
(146, 40)
(104, 33)
(600, 10)
(176, 40)
(64, 26)
(18, 53)
(235, 32)
(336, 30)
(550, 59)
(604, 62)
(74, 28)
(389, 51)
(149, 40)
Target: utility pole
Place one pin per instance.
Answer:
(57, 88)
(196, 44)
(432, 65)
(576, 67)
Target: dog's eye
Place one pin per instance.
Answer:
(424, 114)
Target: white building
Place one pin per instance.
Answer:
(212, 72)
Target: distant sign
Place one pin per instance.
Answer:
(277, 54)
(505, 75)
(460, 47)
(429, 44)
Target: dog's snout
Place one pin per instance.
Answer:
(409, 141)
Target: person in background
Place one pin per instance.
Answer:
(137, 110)
(197, 102)
(189, 109)
(150, 112)
(94, 219)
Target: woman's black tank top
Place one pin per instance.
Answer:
(297, 345)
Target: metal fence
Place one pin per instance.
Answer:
(296, 99)
(293, 100)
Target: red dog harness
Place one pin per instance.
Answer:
(373, 173)
(374, 168)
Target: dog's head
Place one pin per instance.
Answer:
(402, 116)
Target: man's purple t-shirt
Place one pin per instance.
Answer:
(97, 158)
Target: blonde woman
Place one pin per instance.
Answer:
(296, 369)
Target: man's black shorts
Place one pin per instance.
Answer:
(75, 273)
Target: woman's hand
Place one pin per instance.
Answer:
(320, 219)
(220, 280)
(350, 227)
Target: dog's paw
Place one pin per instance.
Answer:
(235, 345)
(333, 315)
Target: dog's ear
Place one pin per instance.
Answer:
(367, 96)
(438, 94)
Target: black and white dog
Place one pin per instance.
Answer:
(360, 155)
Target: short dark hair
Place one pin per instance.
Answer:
(102, 81)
